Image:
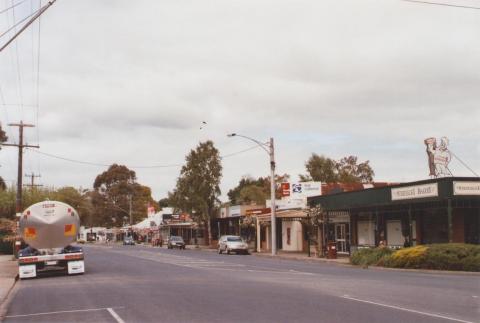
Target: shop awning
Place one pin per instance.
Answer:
(287, 215)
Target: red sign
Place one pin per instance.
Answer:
(285, 189)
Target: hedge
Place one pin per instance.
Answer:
(448, 256)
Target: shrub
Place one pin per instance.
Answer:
(448, 256)
(370, 256)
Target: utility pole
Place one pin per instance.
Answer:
(20, 145)
(32, 184)
(272, 198)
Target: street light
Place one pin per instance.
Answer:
(269, 148)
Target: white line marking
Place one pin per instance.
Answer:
(115, 315)
(407, 309)
(61, 312)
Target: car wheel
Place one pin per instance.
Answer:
(228, 250)
(219, 250)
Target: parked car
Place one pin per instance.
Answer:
(232, 244)
(175, 242)
(128, 241)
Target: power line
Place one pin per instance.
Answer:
(15, 25)
(133, 166)
(442, 4)
(13, 6)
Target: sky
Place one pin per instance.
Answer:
(130, 82)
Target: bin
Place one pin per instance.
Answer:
(332, 250)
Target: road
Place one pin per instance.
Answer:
(143, 284)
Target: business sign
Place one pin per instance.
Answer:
(285, 189)
(415, 192)
(286, 204)
(305, 189)
(466, 188)
(438, 157)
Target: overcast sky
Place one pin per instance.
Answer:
(130, 82)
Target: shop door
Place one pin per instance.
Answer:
(341, 237)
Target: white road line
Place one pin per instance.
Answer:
(115, 315)
(407, 309)
(61, 312)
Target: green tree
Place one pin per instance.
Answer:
(347, 170)
(244, 193)
(198, 186)
(3, 138)
(113, 190)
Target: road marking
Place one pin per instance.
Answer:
(407, 309)
(62, 312)
(115, 315)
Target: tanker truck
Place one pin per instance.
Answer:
(49, 228)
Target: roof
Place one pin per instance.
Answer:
(382, 196)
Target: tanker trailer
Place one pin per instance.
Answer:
(49, 228)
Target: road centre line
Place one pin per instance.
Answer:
(115, 315)
(63, 312)
(407, 309)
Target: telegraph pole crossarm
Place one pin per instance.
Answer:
(20, 145)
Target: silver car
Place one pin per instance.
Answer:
(232, 244)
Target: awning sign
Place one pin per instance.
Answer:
(466, 188)
(415, 192)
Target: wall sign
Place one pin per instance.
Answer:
(466, 188)
(414, 192)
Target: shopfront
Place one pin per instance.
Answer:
(432, 211)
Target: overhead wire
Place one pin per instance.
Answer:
(442, 4)
(11, 7)
(15, 25)
(19, 77)
(131, 166)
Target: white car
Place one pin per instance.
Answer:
(232, 244)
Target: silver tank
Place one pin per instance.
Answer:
(49, 225)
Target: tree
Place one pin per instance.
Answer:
(198, 186)
(113, 191)
(327, 170)
(165, 202)
(320, 168)
(3, 138)
(245, 193)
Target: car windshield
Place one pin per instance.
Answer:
(128, 238)
(176, 239)
(234, 239)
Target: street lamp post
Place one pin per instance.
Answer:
(271, 152)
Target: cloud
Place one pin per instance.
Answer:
(131, 81)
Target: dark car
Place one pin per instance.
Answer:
(128, 241)
(176, 242)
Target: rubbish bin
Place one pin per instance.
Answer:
(332, 250)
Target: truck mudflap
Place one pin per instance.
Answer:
(27, 271)
(76, 267)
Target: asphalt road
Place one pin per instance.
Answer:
(142, 284)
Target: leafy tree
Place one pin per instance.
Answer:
(113, 190)
(197, 189)
(165, 202)
(3, 138)
(347, 170)
(245, 193)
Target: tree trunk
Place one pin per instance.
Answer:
(209, 231)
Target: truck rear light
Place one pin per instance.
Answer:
(70, 257)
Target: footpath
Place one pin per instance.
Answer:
(8, 277)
